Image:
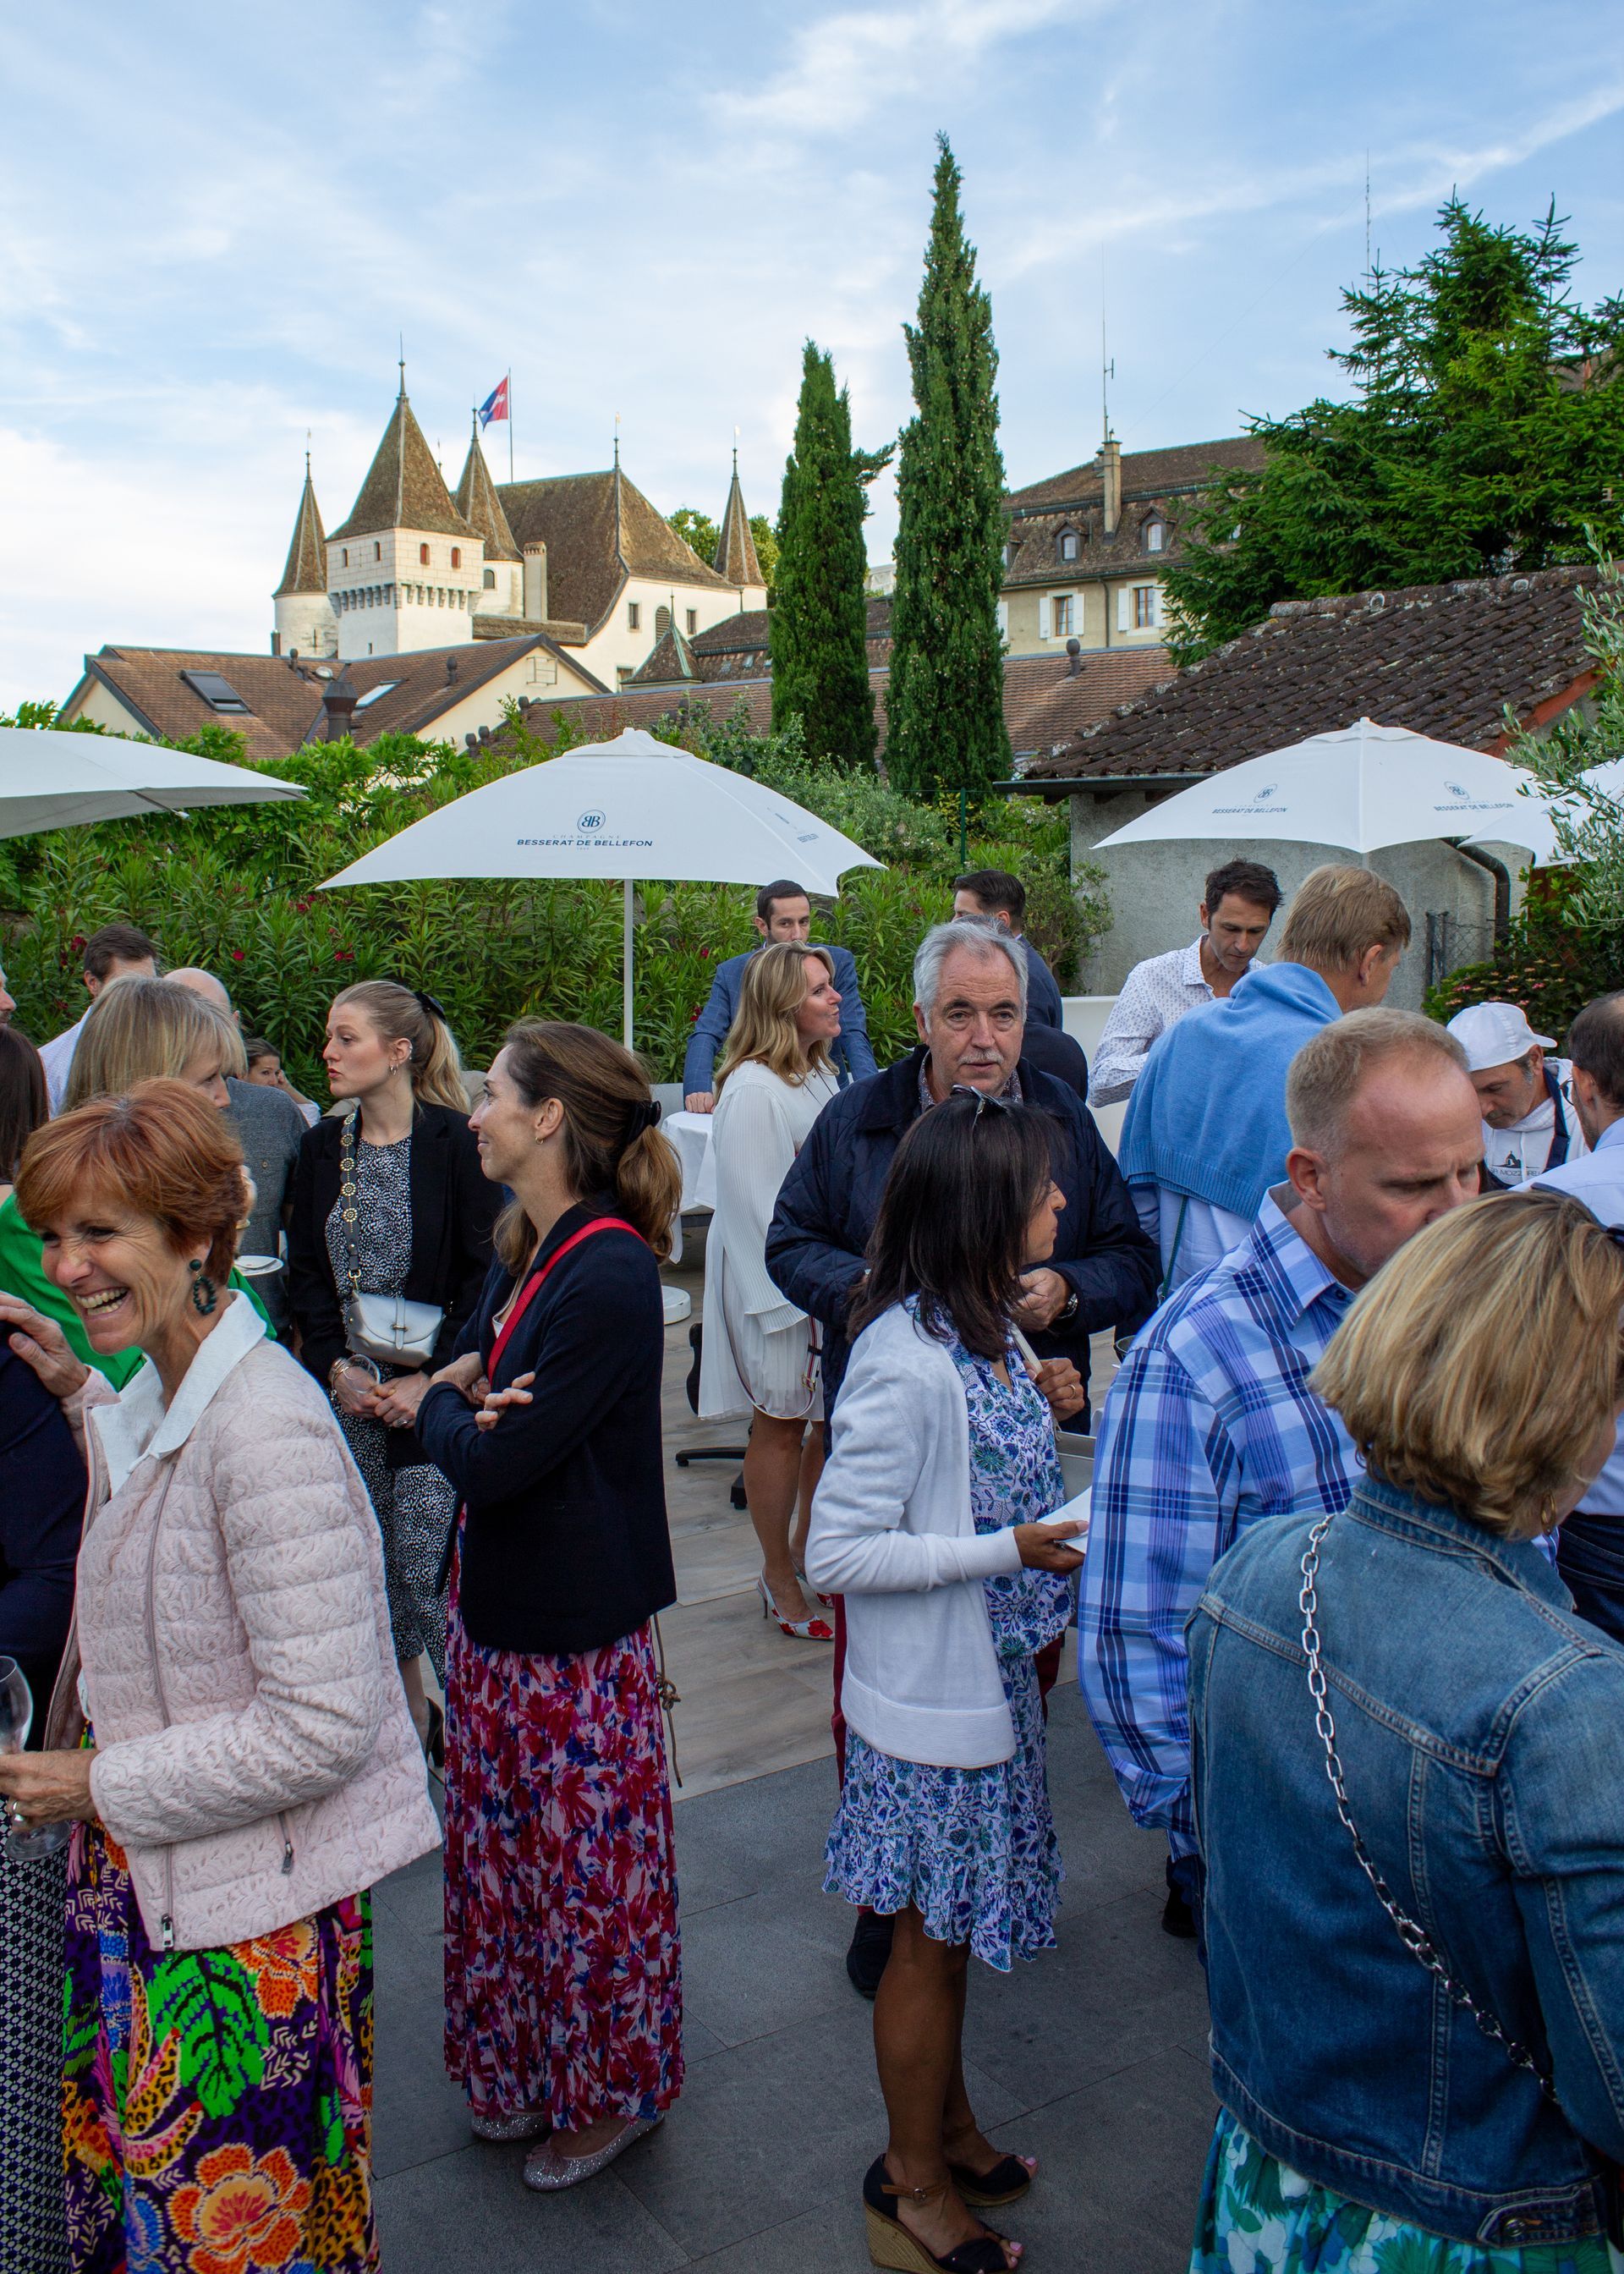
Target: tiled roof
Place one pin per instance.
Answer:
(599, 529)
(1145, 473)
(307, 557)
(1442, 659)
(479, 505)
(1036, 537)
(284, 697)
(670, 659)
(602, 716)
(404, 488)
(1047, 705)
(739, 648)
(735, 555)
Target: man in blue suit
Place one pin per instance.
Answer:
(994, 893)
(783, 912)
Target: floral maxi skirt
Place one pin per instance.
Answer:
(563, 1965)
(216, 2103)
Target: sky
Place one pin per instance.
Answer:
(216, 223)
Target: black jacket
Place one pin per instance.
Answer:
(565, 1545)
(828, 1204)
(454, 1211)
(42, 1511)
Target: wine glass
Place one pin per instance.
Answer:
(26, 1843)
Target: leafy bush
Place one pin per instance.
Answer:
(1550, 963)
(235, 890)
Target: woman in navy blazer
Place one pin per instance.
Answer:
(563, 1976)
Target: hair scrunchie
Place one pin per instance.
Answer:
(644, 1115)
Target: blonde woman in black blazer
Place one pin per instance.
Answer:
(425, 1215)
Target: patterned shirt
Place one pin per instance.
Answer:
(1209, 1427)
(1156, 996)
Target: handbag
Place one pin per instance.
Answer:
(385, 1328)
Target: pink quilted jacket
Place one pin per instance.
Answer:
(255, 1758)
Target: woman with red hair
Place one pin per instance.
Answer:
(228, 1736)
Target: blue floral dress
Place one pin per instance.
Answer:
(974, 1849)
(1259, 2217)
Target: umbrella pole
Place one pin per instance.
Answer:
(625, 963)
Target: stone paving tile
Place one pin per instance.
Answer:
(472, 2212)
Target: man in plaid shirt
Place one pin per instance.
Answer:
(1211, 1424)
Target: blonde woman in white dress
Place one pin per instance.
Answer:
(759, 1352)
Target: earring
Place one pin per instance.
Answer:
(204, 1294)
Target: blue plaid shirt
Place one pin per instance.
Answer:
(1209, 1427)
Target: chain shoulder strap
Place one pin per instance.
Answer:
(1411, 1933)
(348, 1216)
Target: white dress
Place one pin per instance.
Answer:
(757, 1349)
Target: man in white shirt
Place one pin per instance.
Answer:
(1530, 1123)
(1237, 910)
(1590, 1546)
(118, 950)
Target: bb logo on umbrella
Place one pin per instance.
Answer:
(591, 821)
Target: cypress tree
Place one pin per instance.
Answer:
(818, 625)
(945, 701)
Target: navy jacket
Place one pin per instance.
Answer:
(853, 1053)
(1044, 1004)
(41, 1512)
(828, 1204)
(1480, 1725)
(565, 1545)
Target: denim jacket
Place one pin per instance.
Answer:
(1480, 1725)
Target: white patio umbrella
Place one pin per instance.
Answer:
(1537, 829)
(626, 810)
(1361, 786)
(54, 779)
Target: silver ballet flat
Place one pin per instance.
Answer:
(546, 2170)
(525, 2126)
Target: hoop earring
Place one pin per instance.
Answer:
(1547, 1514)
(204, 1294)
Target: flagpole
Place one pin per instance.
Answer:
(510, 424)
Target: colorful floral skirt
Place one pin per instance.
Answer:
(563, 1961)
(216, 2103)
(1259, 2217)
(974, 1851)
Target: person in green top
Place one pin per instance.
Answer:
(137, 1030)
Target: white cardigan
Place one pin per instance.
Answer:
(892, 1532)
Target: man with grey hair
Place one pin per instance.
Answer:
(969, 1007)
(270, 1129)
(1211, 1424)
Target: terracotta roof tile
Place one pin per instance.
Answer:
(1442, 659)
(404, 488)
(307, 557)
(599, 529)
(1145, 473)
(479, 505)
(1047, 705)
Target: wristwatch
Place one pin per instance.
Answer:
(1065, 1313)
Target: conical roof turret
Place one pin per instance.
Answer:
(307, 557)
(735, 552)
(404, 488)
(480, 507)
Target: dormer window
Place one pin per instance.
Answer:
(1065, 544)
(1009, 551)
(456, 557)
(1155, 536)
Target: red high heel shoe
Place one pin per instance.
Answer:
(797, 1629)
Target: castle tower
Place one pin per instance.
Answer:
(735, 552)
(405, 571)
(305, 623)
(481, 508)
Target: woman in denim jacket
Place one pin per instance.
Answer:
(1374, 2121)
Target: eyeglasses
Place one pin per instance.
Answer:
(983, 1098)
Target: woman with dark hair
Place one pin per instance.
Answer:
(928, 1521)
(563, 1978)
(388, 1243)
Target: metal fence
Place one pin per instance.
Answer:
(1450, 942)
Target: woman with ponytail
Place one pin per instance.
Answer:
(388, 1201)
(563, 1976)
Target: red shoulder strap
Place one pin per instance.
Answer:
(533, 1284)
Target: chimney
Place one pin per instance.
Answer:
(338, 703)
(1111, 468)
(1074, 658)
(536, 582)
(451, 670)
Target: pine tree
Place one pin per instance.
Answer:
(945, 701)
(818, 627)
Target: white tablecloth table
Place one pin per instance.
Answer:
(691, 1134)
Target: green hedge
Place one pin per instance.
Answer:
(235, 889)
(1550, 963)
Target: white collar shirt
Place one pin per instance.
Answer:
(1156, 996)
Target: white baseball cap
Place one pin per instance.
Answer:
(1495, 1034)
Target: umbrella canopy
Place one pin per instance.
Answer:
(628, 809)
(1362, 787)
(54, 779)
(1536, 828)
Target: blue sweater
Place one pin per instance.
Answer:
(1207, 1117)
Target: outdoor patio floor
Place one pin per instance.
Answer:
(1092, 2059)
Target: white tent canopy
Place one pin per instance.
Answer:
(631, 809)
(1362, 787)
(56, 779)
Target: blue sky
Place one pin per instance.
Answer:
(217, 221)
